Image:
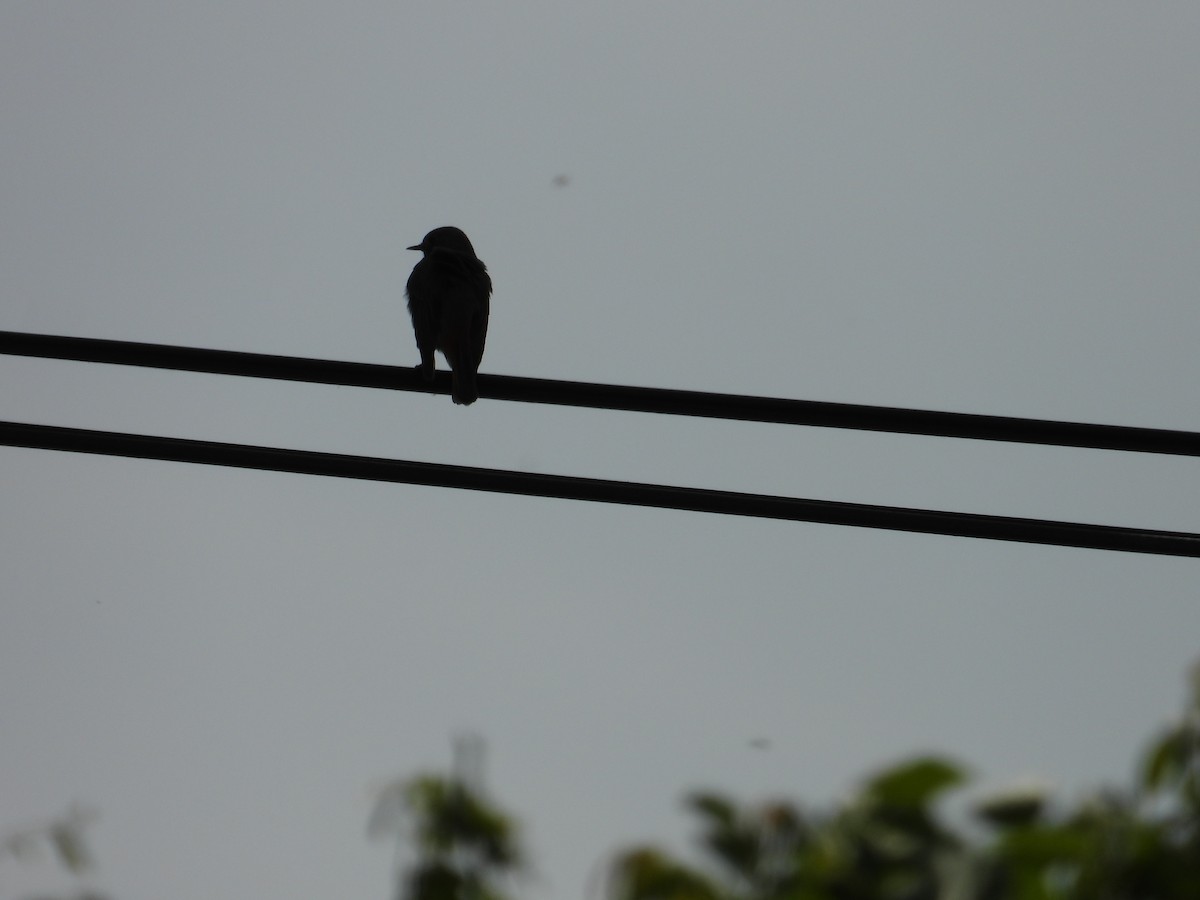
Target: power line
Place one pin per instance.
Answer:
(1037, 531)
(536, 390)
(608, 396)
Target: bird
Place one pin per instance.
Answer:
(448, 299)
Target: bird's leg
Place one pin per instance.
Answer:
(428, 364)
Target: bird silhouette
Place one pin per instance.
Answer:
(448, 293)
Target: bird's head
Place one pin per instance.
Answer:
(445, 238)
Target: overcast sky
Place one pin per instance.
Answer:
(978, 208)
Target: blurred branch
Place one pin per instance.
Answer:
(63, 837)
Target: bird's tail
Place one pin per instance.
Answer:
(463, 388)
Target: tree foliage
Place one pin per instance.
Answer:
(460, 845)
(889, 841)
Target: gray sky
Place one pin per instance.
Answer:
(988, 209)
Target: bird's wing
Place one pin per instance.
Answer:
(424, 304)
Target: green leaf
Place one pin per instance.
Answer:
(1167, 759)
(648, 874)
(737, 848)
(1044, 845)
(1014, 808)
(435, 881)
(914, 783)
(68, 842)
(714, 807)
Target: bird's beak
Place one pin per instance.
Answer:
(417, 247)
